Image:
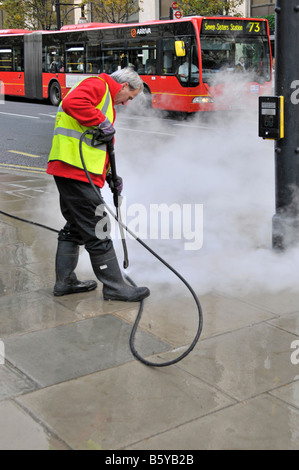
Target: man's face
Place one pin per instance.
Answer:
(125, 94)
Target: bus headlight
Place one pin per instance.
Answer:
(202, 99)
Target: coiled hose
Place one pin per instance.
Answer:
(176, 273)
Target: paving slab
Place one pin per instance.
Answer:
(288, 393)
(92, 304)
(31, 311)
(18, 431)
(288, 322)
(244, 363)
(122, 405)
(175, 319)
(12, 383)
(263, 423)
(59, 354)
(16, 280)
(280, 303)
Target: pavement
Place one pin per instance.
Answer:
(70, 382)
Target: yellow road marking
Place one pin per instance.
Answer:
(30, 169)
(23, 153)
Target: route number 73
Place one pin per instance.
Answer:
(254, 27)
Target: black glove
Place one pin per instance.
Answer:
(103, 134)
(107, 130)
(115, 185)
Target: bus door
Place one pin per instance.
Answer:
(187, 61)
(18, 67)
(33, 66)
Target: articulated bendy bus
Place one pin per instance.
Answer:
(189, 65)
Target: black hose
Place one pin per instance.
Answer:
(135, 326)
(29, 222)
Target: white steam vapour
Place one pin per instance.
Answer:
(225, 166)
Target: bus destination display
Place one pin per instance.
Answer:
(232, 26)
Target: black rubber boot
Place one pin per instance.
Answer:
(106, 269)
(66, 262)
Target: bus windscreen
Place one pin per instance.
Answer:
(234, 47)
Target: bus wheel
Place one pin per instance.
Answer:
(55, 94)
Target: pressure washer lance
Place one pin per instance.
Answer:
(117, 199)
(98, 139)
(136, 323)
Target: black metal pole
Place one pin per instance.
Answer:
(58, 19)
(286, 218)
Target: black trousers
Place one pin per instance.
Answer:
(78, 203)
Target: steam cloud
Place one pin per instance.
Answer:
(225, 166)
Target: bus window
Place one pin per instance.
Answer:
(143, 56)
(93, 62)
(187, 68)
(216, 56)
(256, 57)
(53, 61)
(230, 55)
(18, 59)
(169, 57)
(6, 62)
(75, 58)
(114, 57)
(151, 64)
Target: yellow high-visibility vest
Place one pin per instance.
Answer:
(67, 133)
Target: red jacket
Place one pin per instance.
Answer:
(81, 105)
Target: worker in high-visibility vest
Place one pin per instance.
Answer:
(90, 104)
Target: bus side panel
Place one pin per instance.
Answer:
(18, 83)
(7, 83)
(12, 83)
(33, 66)
(168, 94)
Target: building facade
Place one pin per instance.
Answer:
(262, 8)
(157, 9)
(149, 10)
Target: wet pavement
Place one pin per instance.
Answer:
(70, 381)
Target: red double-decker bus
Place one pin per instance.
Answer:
(188, 65)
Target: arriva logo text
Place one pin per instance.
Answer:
(142, 31)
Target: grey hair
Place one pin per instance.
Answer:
(128, 75)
